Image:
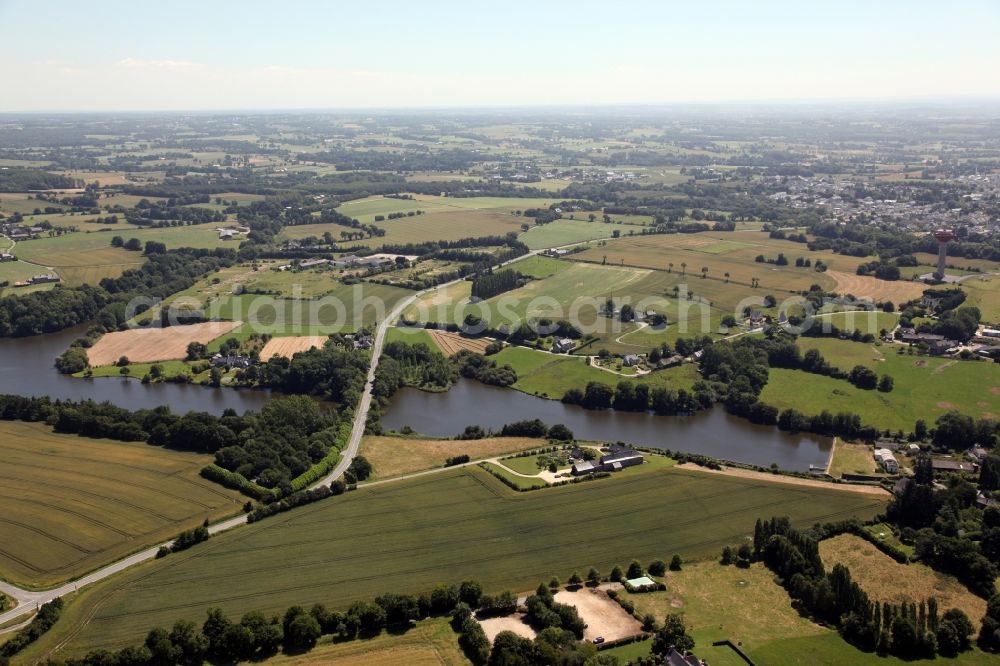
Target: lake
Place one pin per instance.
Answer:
(711, 432)
(26, 368)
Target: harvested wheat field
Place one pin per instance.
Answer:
(393, 456)
(143, 345)
(862, 286)
(452, 343)
(885, 579)
(290, 346)
(71, 504)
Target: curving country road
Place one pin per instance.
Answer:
(29, 600)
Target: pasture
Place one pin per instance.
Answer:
(551, 375)
(408, 536)
(395, 456)
(72, 504)
(290, 346)
(924, 388)
(448, 225)
(87, 257)
(155, 344)
(727, 602)
(721, 253)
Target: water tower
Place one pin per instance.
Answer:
(942, 236)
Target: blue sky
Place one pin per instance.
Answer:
(222, 54)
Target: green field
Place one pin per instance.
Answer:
(87, 257)
(565, 232)
(866, 322)
(924, 388)
(722, 253)
(344, 308)
(407, 536)
(551, 375)
(71, 504)
(579, 292)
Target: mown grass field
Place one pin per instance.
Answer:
(71, 504)
(984, 293)
(395, 456)
(407, 536)
(851, 459)
(924, 388)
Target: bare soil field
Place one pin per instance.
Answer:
(494, 625)
(290, 346)
(862, 286)
(603, 616)
(452, 343)
(142, 345)
(885, 579)
(393, 456)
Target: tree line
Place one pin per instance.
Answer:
(63, 307)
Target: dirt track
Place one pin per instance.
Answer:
(452, 343)
(142, 345)
(792, 480)
(290, 346)
(862, 286)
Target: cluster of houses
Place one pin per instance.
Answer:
(38, 279)
(20, 232)
(352, 261)
(230, 361)
(360, 341)
(885, 451)
(936, 344)
(616, 460)
(229, 233)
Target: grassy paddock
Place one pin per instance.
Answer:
(71, 504)
(407, 536)
(395, 456)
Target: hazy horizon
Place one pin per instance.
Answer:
(313, 57)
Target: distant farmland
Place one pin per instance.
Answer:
(70, 504)
(410, 535)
